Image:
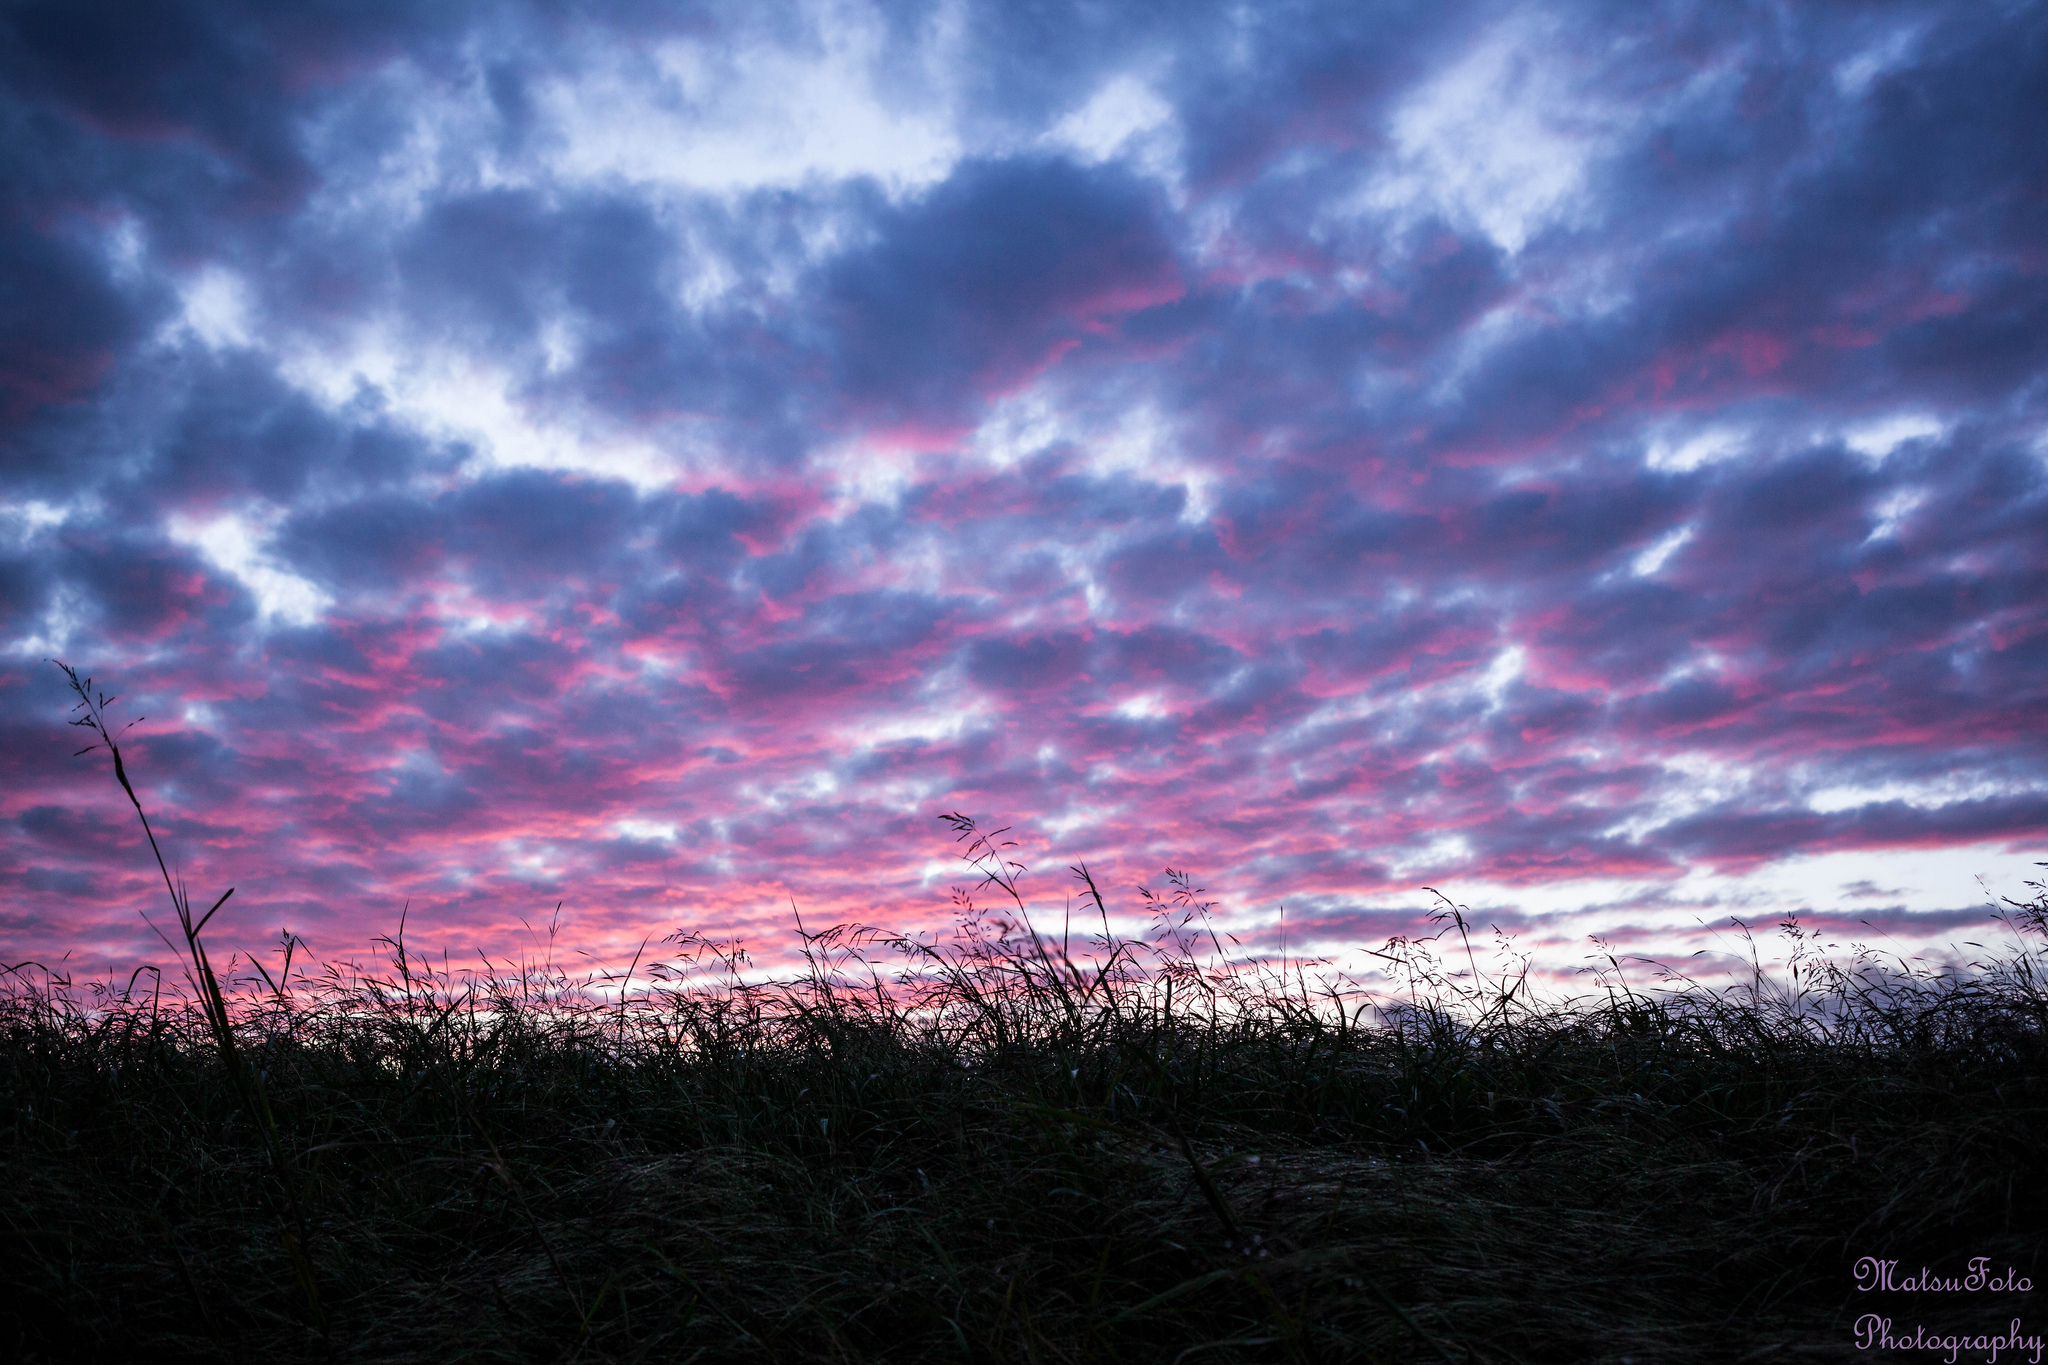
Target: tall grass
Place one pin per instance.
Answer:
(1005, 1144)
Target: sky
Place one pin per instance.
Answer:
(1591, 459)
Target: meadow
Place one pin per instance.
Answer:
(1014, 1143)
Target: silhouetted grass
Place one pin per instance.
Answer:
(1006, 1146)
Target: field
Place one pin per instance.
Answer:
(1015, 1144)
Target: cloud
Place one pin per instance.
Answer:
(994, 275)
(658, 459)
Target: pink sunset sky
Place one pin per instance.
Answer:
(1589, 459)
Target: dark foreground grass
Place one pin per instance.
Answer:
(1011, 1156)
(1010, 1147)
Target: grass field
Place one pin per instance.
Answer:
(1013, 1146)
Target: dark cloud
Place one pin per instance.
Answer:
(61, 322)
(524, 526)
(992, 276)
(1738, 838)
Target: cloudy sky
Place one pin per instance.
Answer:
(1590, 458)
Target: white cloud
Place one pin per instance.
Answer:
(1124, 118)
(26, 519)
(1694, 782)
(1921, 795)
(1875, 440)
(463, 396)
(1506, 668)
(1651, 559)
(1146, 706)
(1502, 141)
(1138, 441)
(235, 545)
(1076, 816)
(1854, 76)
(1893, 511)
(1121, 110)
(1710, 446)
(1440, 851)
(710, 115)
(916, 723)
(216, 307)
